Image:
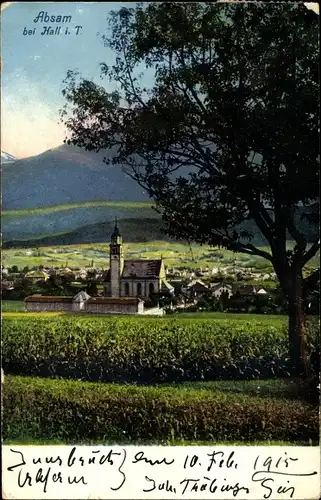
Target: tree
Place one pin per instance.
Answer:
(225, 135)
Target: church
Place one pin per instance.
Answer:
(133, 278)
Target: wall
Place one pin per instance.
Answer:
(78, 306)
(133, 287)
(114, 308)
(85, 307)
(48, 306)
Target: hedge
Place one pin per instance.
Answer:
(141, 349)
(81, 412)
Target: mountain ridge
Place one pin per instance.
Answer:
(65, 175)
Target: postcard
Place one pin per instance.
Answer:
(160, 273)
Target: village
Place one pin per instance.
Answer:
(141, 287)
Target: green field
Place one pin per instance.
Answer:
(188, 379)
(12, 306)
(15, 309)
(174, 254)
(145, 350)
(71, 206)
(248, 412)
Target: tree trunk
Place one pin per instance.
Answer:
(297, 337)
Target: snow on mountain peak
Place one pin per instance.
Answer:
(7, 157)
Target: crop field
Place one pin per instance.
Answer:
(169, 380)
(248, 412)
(144, 349)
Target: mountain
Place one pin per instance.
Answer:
(7, 158)
(69, 175)
(65, 175)
(133, 230)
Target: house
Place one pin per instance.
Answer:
(133, 278)
(197, 288)
(36, 276)
(66, 273)
(81, 274)
(7, 285)
(51, 271)
(218, 289)
(244, 290)
(83, 303)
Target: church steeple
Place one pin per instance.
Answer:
(116, 260)
(116, 236)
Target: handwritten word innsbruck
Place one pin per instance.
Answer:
(133, 472)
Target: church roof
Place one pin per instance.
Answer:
(45, 298)
(116, 231)
(142, 268)
(114, 300)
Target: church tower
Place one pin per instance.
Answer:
(116, 261)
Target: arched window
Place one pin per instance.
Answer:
(151, 288)
(127, 289)
(139, 288)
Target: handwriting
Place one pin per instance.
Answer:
(229, 463)
(17, 465)
(270, 484)
(92, 460)
(139, 457)
(194, 485)
(167, 486)
(44, 477)
(120, 470)
(221, 472)
(281, 461)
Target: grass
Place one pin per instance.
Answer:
(63, 411)
(12, 306)
(262, 318)
(175, 254)
(15, 309)
(56, 442)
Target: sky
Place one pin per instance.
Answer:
(34, 67)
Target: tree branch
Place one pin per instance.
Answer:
(311, 252)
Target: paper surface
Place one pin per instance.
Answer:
(38, 472)
(41, 42)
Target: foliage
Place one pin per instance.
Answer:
(228, 133)
(228, 80)
(74, 412)
(145, 350)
